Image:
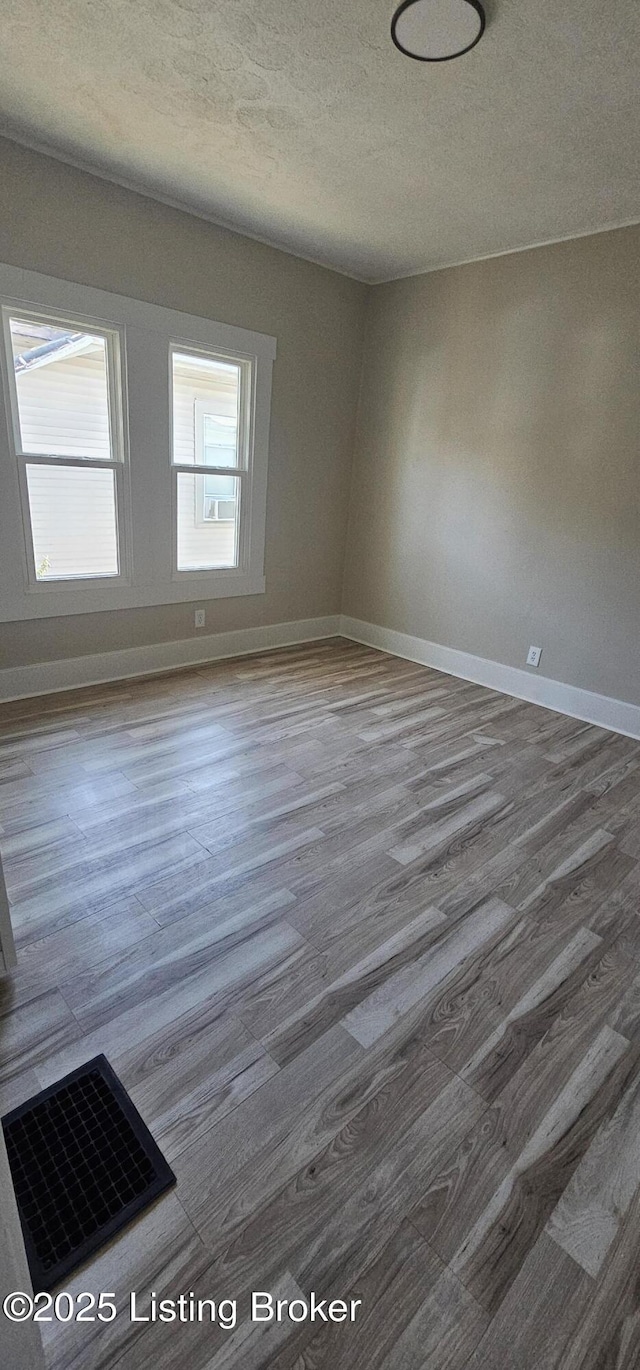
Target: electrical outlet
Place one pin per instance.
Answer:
(533, 656)
(199, 618)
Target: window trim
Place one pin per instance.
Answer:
(145, 330)
(118, 441)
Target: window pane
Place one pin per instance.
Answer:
(216, 438)
(206, 400)
(62, 385)
(219, 487)
(207, 523)
(73, 520)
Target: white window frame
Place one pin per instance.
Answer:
(243, 471)
(117, 463)
(203, 518)
(148, 570)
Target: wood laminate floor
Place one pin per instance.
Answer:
(363, 943)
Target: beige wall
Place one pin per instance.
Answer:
(496, 495)
(496, 480)
(66, 223)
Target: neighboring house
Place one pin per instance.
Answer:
(64, 410)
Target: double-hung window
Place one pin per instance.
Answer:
(65, 390)
(134, 444)
(211, 447)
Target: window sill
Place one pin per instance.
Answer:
(58, 600)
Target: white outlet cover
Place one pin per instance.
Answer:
(199, 618)
(533, 656)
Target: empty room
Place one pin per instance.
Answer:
(319, 685)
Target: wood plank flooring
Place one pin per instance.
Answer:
(363, 942)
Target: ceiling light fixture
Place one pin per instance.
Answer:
(437, 30)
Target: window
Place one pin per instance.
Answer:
(211, 398)
(65, 399)
(216, 442)
(134, 445)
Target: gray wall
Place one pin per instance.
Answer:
(66, 223)
(496, 479)
(496, 486)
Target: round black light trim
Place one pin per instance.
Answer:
(437, 30)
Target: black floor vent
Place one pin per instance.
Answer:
(83, 1165)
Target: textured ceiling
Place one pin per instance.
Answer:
(299, 122)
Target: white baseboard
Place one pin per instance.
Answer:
(48, 677)
(603, 710)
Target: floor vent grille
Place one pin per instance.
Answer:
(83, 1165)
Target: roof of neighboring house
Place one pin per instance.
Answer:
(68, 345)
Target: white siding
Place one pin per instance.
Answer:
(201, 544)
(215, 385)
(73, 520)
(64, 409)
